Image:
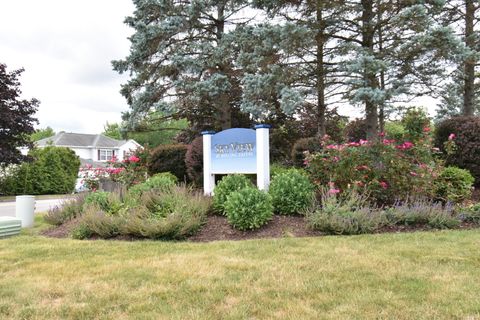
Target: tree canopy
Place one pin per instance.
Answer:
(17, 117)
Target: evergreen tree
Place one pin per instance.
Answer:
(398, 51)
(181, 61)
(461, 94)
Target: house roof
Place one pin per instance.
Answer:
(67, 139)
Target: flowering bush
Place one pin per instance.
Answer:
(386, 170)
(129, 172)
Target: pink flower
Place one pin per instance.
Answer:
(333, 191)
(452, 136)
(427, 129)
(413, 174)
(134, 159)
(353, 144)
(381, 134)
(405, 146)
(384, 185)
(336, 159)
(332, 147)
(388, 142)
(362, 142)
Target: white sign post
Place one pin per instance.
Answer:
(236, 150)
(263, 156)
(208, 177)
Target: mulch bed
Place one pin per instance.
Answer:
(218, 229)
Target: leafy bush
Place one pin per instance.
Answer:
(81, 231)
(467, 140)
(291, 192)
(160, 182)
(387, 171)
(225, 187)
(169, 158)
(356, 130)
(99, 199)
(68, 210)
(194, 161)
(454, 184)
(348, 213)
(248, 208)
(423, 212)
(395, 131)
(53, 170)
(471, 213)
(416, 124)
(301, 147)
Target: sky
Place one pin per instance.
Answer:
(66, 48)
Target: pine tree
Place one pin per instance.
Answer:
(398, 51)
(181, 60)
(461, 94)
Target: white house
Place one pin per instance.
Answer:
(93, 149)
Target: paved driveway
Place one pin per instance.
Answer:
(8, 208)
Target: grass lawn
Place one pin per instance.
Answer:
(394, 276)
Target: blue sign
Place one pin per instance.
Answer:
(234, 151)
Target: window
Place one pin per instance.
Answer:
(105, 155)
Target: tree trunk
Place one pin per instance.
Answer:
(368, 32)
(469, 89)
(223, 102)
(320, 40)
(381, 115)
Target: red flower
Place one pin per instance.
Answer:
(427, 129)
(384, 185)
(452, 136)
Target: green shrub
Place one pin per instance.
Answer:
(99, 198)
(81, 232)
(225, 187)
(171, 215)
(248, 208)
(95, 222)
(471, 213)
(169, 158)
(347, 214)
(194, 161)
(291, 192)
(395, 131)
(160, 182)
(467, 140)
(68, 210)
(454, 185)
(303, 146)
(415, 121)
(53, 170)
(423, 212)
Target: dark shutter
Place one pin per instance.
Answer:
(98, 155)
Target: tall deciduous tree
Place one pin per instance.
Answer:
(42, 133)
(16, 117)
(181, 61)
